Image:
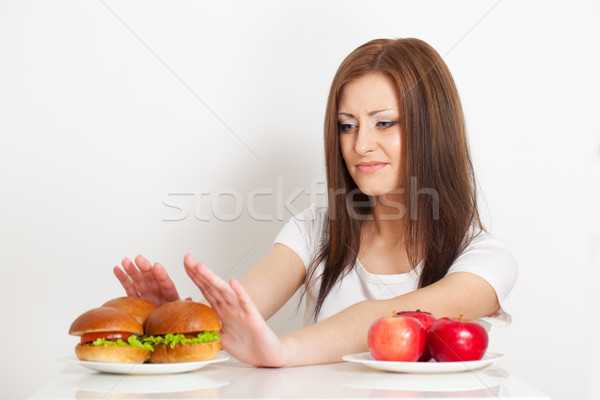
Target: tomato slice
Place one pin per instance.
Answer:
(90, 337)
(191, 335)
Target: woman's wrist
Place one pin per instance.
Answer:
(288, 345)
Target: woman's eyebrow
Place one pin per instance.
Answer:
(370, 113)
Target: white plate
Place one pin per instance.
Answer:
(149, 369)
(422, 367)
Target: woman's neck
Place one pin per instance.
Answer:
(388, 219)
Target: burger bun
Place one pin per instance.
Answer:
(140, 308)
(105, 319)
(185, 352)
(183, 317)
(108, 319)
(111, 354)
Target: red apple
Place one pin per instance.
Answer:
(427, 319)
(456, 340)
(396, 339)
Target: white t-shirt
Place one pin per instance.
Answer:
(485, 256)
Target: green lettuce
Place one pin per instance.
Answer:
(147, 342)
(132, 341)
(173, 339)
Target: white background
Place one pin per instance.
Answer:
(109, 109)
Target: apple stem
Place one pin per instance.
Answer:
(460, 317)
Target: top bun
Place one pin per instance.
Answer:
(136, 306)
(182, 317)
(105, 319)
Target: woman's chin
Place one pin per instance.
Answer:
(381, 191)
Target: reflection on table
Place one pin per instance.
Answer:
(234, 380)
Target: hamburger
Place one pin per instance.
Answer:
(140, 308)
(183, 331)
(109, 335)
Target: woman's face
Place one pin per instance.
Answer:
(370, 134)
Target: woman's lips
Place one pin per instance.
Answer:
(369, 168)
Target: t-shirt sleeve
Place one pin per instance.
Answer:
(492, 260)
(302, 233)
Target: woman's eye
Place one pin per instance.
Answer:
(386, 124)
(346, 127)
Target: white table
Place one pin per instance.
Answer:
(234, 380)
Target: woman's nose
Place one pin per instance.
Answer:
(366, 140)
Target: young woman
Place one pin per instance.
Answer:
(401, 230)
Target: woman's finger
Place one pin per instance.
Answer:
(125, 282)
(146, 269)
(207, 288)
(218, 284)
(245, 301)
(165, 284)
(212, 301)
(190, 268)
(136, 276)
(191, 271)
(189, 260)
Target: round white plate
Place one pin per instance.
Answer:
(422, 367)
(149, 369)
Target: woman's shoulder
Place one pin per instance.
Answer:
(478, 237)
(307, 224)
(491, 258)
(304, 231)
(313, 221)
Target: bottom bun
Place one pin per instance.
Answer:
(185, 352)
(111, 354)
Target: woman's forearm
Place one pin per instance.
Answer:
(346, 332)
(328, 340)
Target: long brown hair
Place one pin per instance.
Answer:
(435, 156)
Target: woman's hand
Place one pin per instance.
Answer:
(245, 333)
(144, 280)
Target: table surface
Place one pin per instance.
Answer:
(233, 380)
